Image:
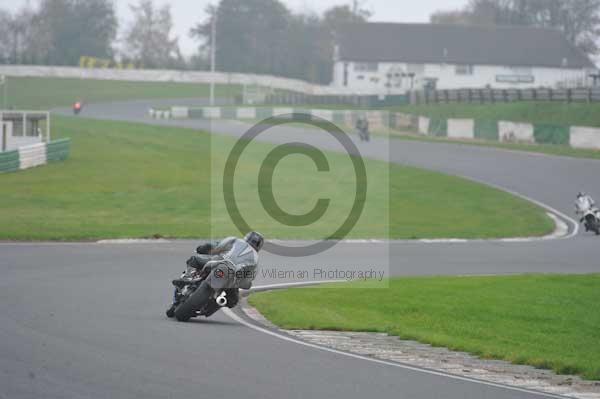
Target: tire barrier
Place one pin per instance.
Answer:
(585, 137)
(58, 150)
(424, 123)
(511, 132)
(461, 129)
(9, 161)
(34, 155)
(458, 129)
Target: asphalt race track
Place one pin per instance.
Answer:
(85, 320)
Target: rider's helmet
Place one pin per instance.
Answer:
(581, 194)
(255, 240)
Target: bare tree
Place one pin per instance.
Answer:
(23, 39)
(149, 38)
(6, 44)
(452, 17)
(578, 19)
(358, 10)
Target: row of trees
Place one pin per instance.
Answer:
(578, 19)
(60, 32)
(253, 36)
(263, 36)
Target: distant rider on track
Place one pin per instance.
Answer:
(583, 203)
(362, 125)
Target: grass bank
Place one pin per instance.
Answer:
(558, 115)
(550, 322)
(132, 180)
(575, 114)
(45, 93)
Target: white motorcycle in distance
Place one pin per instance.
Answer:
(589, 212)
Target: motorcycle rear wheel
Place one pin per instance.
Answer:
(195, 302)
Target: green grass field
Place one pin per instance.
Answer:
(132, 180)
(545, 113)
(575, 114)
(45, 93)
(545, 321)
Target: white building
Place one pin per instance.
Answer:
(389, 58)
(22, 128)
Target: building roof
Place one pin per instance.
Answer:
(458, 44)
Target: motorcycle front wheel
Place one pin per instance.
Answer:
(196, 301)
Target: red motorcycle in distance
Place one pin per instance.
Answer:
(77, 107)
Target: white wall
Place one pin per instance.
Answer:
(483, 75)
(14, 142)
(275, 82)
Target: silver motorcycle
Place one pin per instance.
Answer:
(197, 292)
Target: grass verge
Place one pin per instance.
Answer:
(45, 93)
(548, 149)
(133, 180)
(565, 114)
(550, 322)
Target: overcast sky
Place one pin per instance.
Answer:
(187, 13)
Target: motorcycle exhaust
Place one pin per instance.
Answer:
(222, 299)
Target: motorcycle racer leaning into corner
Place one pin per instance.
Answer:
(242, 253)
(583, 203)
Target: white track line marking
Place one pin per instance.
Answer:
(254, 327)
(536, 202)
(134, 241)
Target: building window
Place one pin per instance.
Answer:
(32, 128)
(464, 69)
(360, 77)
(17, 128)
(366, 66)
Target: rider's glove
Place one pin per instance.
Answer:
(193, 262)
